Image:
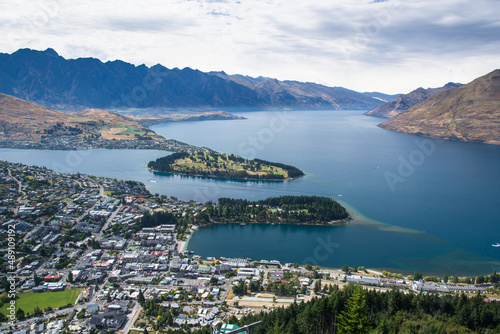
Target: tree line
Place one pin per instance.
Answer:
(285, 209)
(355, 310)
(164, 164)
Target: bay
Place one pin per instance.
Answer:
(419, 204)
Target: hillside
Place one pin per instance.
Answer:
(25, 121)
(404, 102)
(45, 78)
(467, 113)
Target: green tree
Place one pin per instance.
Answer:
(345, 268)
(81, 314)
(317, 286)
(140, 299)
(213, 281)
(36, 279)
(20, 314)
(417, 276)
(37, 311)
(354, 319)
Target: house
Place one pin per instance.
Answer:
(426, 286)
(96, 278)
(52, 278)
(40, 328)
(24, 331)
(226, 328)
(92, 308)
(99, 321)
(55, 286)
(40, 288)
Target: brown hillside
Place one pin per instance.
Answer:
(25, 121)
(405, 101)
(467, 113)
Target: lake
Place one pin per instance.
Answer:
(419, 204)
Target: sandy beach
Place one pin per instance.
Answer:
(183, 245)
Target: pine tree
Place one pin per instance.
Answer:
(140, 299)
(20, 314)
(36, 279)
(354, 319)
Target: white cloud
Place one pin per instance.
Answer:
(389, 46)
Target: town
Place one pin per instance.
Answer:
(76, 143)
(98, 254)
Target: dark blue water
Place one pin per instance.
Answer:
(420, 204)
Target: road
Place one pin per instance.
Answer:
(20, 186)
(109, 220)
(133, 315)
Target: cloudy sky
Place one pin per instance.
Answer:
(391, 46)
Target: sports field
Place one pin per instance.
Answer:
(29, 300)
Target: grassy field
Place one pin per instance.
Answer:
(223, 162)
(132, 131)
(29, 300)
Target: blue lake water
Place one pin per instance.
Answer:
(419, 204)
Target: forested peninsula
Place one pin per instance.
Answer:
(284, 209)
(209, 163)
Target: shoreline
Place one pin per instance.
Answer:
(183, 245)
(339, 222)
(227, 178)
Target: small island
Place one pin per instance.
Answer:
(313, 210)
(209, 163)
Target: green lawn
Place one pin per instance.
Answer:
(27, 301)
(132, 131)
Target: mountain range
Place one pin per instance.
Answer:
(48, 79)
(467, 113)
(404, 102)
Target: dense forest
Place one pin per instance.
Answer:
(283, 209)
(213, 164)
(355, 310)
(164, 164)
